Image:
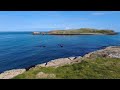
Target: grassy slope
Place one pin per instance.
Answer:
(100, 68)
(82, 30)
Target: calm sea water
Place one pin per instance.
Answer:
(22, 49)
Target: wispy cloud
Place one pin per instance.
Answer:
(104, 13)
(98, 13)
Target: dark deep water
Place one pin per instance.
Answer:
(22, 49)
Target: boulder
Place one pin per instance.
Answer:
(71, 58)
(42, 75)
(79, 57)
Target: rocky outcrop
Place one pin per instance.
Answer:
(39, 33)
(11, 73)
(61, 62)
(36, 33)
(54, 63)
(42, 75)
(109, 52)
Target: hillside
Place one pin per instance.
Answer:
(81, 31)
(101, 68)
(100, 64)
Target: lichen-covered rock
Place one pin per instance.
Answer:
(42, 75)
(11, 73)
(109, 52)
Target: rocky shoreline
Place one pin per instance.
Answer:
(11, 73)
(108, 52)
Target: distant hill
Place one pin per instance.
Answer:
(81, 31)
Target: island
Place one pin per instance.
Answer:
(82, 31)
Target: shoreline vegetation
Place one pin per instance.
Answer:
(100, 64)
(82, 31)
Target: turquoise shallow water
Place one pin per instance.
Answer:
(22, 49)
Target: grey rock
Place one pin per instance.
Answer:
(60, 62)
(79, 57)
(43, 75)
(109, 52)
(71, 58)
(11, 73)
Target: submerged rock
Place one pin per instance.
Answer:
(11, 73)
(61, 45)
(28, 68)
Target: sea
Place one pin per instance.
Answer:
(22, 49)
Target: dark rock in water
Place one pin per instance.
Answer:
(29, 67)
(1, 72)
(60, 45)
(44, 46)
(41, 46)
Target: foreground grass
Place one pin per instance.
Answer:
(101, 68)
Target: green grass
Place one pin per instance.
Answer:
(101, 68)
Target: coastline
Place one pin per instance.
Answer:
(76, 34)
(80, 34)
(108, 52)
(82, 31)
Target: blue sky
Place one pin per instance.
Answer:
(50, 20)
